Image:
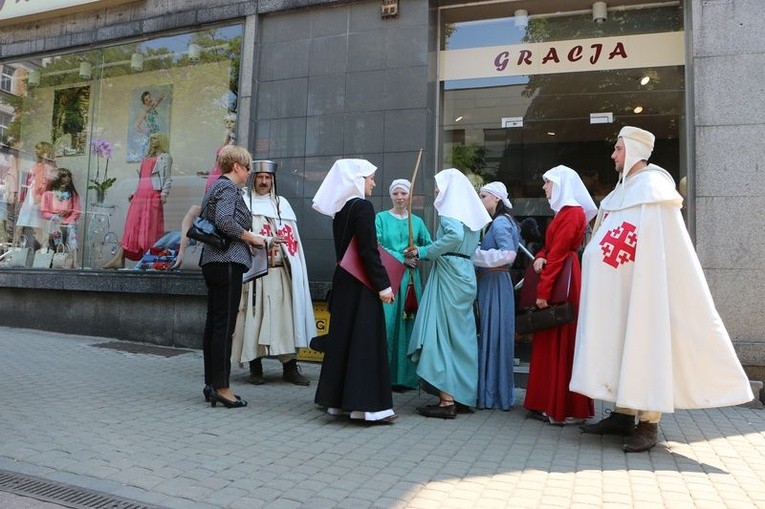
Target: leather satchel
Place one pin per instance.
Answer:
(352, 263)
(559, 312)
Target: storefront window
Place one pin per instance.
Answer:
(524, 93)
(106, 150)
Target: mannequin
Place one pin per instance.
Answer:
(145, 221)
(38, 178)
(61, 205)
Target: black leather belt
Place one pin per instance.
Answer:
(467, 257)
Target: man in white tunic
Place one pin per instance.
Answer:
(649, 337)
(275, 313)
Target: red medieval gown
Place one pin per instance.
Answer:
(552, 350)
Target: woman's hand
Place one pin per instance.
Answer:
(411, 252)
(410, 262)
(253, 240)
(542, 303)
(387, 298)
(539, 264)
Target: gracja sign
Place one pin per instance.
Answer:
(625, 52)
(17, 10)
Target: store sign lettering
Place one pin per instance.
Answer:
(574, 55)
(606, 53)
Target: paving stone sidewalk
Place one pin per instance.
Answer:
(135, 425)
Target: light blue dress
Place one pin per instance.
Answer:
(443, 342)
(496, 311)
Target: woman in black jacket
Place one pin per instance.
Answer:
(223, 270)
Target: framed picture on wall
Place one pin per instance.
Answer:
(70, 120)
(149, 114)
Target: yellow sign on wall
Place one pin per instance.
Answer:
(321, 313)
(17, 9)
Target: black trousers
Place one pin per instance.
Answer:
(224, 289)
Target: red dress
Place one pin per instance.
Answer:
(145, 221)
(552, 350)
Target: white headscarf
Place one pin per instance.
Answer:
(344, 182)
(499, 190)
(402, 183)
(569, 190)
(457, 199)
(638, 145)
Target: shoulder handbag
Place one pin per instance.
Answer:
(204, 230)
(259, 267)
(63, 258)
(559, 312)
(18, 256)
(43, 258)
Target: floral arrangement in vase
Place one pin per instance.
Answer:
(101, 149)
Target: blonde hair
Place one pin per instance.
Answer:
(231, 154)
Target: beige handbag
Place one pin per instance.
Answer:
(63, 258)
(43, 258)
(18, 256)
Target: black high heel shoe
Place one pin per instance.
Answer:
(216, 398)
(208, 390)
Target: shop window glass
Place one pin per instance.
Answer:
(516, 126)
(137, 126)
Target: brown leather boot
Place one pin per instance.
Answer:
(256, 372)
(291, 373)
(614, 424)
(646, 435)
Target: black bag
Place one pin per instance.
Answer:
(204, 230)
(259, 267)
(535, 320)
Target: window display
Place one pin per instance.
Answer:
(107, 149)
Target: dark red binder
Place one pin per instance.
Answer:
(352, 263)
(559, 294)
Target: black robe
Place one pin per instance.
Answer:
(355, 373)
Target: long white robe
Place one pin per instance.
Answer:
(282, 318)
(649, 336)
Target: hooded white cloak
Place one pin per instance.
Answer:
(649, 336)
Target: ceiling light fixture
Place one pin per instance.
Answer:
(33, 77)
(550, 133)
(195, 51)
(644, 80)
(86, 70)
(136, 62)
(638, 109)
(599, 12)
(521, 18)
(458, 118)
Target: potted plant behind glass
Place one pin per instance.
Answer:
(101, 148)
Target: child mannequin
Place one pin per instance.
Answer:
(61, 205)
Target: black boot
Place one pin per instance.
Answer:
(291, 373)
(614, 424)
(645, 436)
(256, 372)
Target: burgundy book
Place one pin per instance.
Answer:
(352, 263)
(559, 294)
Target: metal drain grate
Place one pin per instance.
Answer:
(141, 348)
(66, 495)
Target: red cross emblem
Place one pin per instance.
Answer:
(266, 230)
(290, 242)
(618, 245)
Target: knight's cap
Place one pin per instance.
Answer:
(263, 166)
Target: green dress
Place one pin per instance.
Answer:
(444, 341)
(393, 235)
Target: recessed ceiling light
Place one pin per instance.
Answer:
(551, 133)
(644, 80)
(638, 109)
(458, 118)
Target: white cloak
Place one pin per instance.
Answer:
(263, 209)
(649, 336)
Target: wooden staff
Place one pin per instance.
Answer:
(411, 193)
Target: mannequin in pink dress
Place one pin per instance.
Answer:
(145, 221)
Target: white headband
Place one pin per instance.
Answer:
(402, 183)
(499, 190)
